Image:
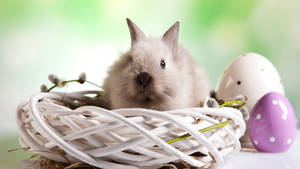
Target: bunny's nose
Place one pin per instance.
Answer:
(143, 79)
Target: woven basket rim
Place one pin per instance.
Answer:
(36, 120)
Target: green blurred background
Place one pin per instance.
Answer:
(66, 37)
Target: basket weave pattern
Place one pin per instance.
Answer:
(124, 138)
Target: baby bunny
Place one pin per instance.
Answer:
(156, 73)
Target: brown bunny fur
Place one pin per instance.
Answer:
(180, 84)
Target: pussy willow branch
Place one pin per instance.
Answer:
(70, 81)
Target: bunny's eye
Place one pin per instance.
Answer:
(162, 64)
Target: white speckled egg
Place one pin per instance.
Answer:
(251, 75)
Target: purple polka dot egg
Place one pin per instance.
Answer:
(272, 124)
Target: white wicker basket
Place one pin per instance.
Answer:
(124, 138)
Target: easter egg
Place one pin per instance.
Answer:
(251, 75)
(272, 124)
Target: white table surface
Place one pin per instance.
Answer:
(247, 160)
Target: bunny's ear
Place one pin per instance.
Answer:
(171, 37)
(135, 32)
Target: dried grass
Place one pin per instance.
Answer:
(46, 163)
